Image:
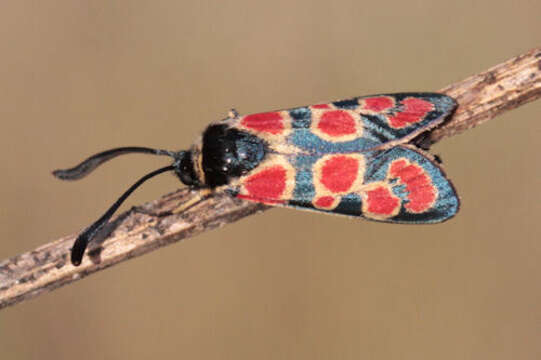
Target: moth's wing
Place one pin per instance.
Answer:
(399, 185)
(424, 192)
(398, 118)
(354, 125)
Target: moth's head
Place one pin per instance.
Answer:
(185, 168)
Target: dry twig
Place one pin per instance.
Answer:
(480, 98)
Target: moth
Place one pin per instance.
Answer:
(356, 157)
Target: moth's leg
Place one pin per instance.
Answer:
(233, 114)
(422, 141)
(202, 195)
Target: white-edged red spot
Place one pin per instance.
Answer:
(339, 173)
(379, 202)
(335, 175)
(269, 122)
(336, 125)
(321, 106)
(415, 110)
(377, 103)
(272, 182)
(326, 202)
(421, 191)
(267, 184)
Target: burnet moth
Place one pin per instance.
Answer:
(355, 157)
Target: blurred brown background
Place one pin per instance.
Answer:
(78, 77)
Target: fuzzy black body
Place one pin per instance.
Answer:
(228, 153)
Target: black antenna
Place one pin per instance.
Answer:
(86, 236)
(88, 165)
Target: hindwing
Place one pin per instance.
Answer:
(400, 185)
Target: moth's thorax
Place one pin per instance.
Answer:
(227, 153)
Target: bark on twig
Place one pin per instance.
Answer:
(480, 98)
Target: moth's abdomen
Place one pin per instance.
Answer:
(228, 153)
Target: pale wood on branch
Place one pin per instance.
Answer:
(480, 97)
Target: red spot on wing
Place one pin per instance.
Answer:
(421, 191)
(337, 123)
(339, 173)
(321, 106)
(324, 202)
(267, 184)
(378, 103)
(270, 122)
(415, 110)
(381, 201)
